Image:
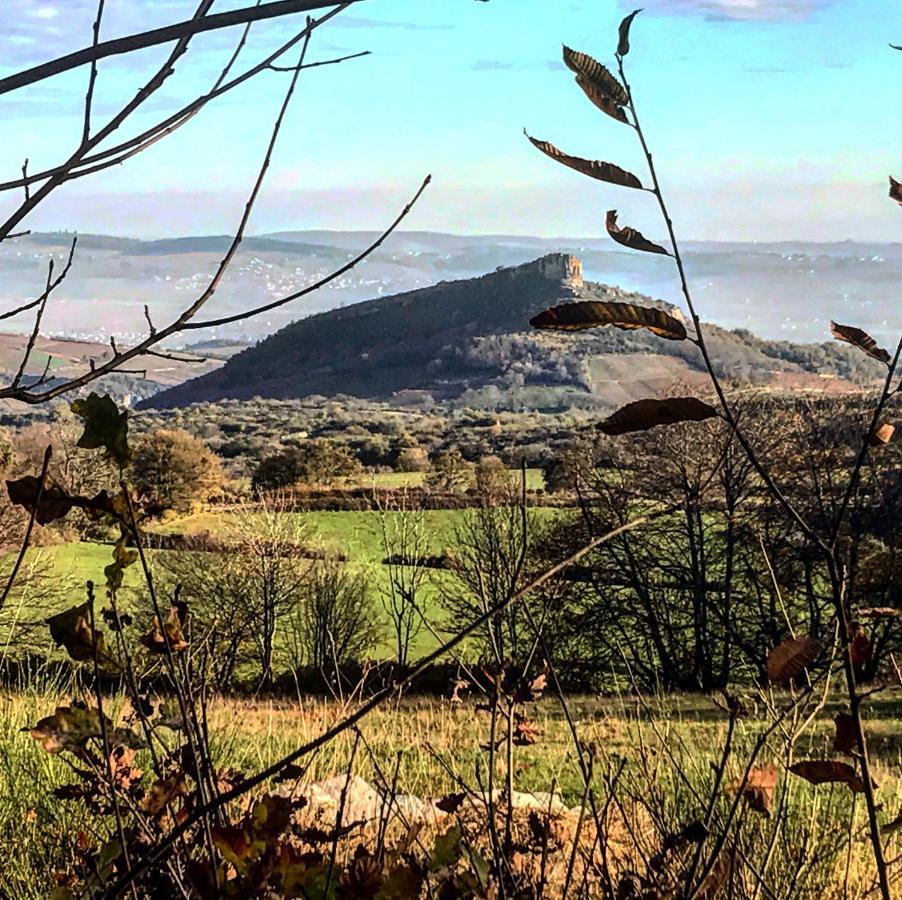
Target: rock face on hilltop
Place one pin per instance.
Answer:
(470, 342)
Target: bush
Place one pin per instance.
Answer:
(412, 459)
(451, 472)
(315, 462)
(336, 622)
(177, 471)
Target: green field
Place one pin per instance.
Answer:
(356, 534)
(535, 480)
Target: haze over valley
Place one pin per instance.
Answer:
(782, 291)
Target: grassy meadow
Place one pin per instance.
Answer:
(356, 534)
(657, 754)
(663, 750)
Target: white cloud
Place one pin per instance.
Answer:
(739, 10)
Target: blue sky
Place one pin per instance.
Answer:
(769, 119)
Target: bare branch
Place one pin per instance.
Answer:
(237, 317)
(92, 80)
(179, 32)
(323, 62)
(51, 285)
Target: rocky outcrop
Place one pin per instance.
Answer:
(364, 803)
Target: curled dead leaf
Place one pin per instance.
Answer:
(623, 44)
(789, 659)
(758, 788)
(644, 414)
(155, 639)
(629, 237)
(602, 171)
(106, 427)
(72, 629)
(881, 435)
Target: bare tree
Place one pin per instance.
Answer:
(335, 624)
(488, 555)
(98, 150)
(243, 590)
(405, 543)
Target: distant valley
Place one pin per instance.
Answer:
(786, 291)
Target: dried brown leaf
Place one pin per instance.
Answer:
(629, 237)
(163, 792)
(880, 612)
(155, 638)
(602, 171)
(860, 339)
(585, 66)
(623, 44)
(450, 803)
(758, 788)
(596, 314)
(895, 190)
(828, 771)
(597, 83)
(644, 414)
(362, 878)
(525, 731)
(789, 659)
(54, 501)
(859, 645)
(844, 740)
(881, 435)
(607, 105)
(72, 629)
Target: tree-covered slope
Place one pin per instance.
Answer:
(472, 339)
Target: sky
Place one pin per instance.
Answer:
(768, 119)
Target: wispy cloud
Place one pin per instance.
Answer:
(357, 22)
(737, 10)
(503, 65)
(37, 30)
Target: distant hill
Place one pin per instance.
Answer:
(781, 291)
(65, 359)
(469, 342)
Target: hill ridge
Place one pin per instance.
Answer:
(469, 341)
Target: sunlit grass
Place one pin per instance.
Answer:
(435, 747)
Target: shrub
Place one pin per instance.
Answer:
(335, 624)
(176, 471)
(316, 462)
